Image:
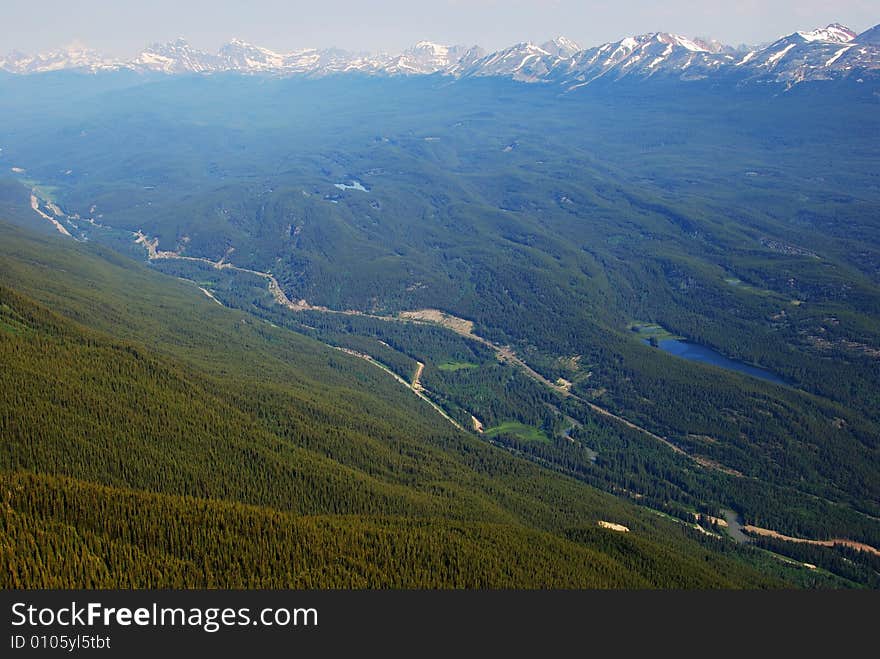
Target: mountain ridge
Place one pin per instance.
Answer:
(831, 52)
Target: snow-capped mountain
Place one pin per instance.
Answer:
(470, 57)
(834, 33)
(830, 52)
(175, 57)
(57, 60)
(525, 62)
(821, 54)
(561, 47)
(643, 55)
(425, 58)
(242, 56)
(237, 55)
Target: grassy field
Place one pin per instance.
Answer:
(742, 286)
(518, 430)
(452, 366)
(651, 331)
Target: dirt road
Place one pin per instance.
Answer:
(417, 377)
(417, 390)
(852, 544)
(460, 326)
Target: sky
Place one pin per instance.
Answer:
(122, 27)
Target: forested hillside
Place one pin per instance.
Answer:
(241, 454)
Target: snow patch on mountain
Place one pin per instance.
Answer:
(775, 57)
(834, 33)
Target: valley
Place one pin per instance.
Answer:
(501, 307)
(198, 434)
(460, 326)
(503, 354)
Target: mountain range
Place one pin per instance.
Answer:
(831, 52)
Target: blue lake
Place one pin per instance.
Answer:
(697, 353)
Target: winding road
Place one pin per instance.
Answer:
(460, 326)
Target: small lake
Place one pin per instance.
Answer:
(697, 353)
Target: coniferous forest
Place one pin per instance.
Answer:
(127, 464)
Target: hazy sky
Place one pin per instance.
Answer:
(124, 27)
